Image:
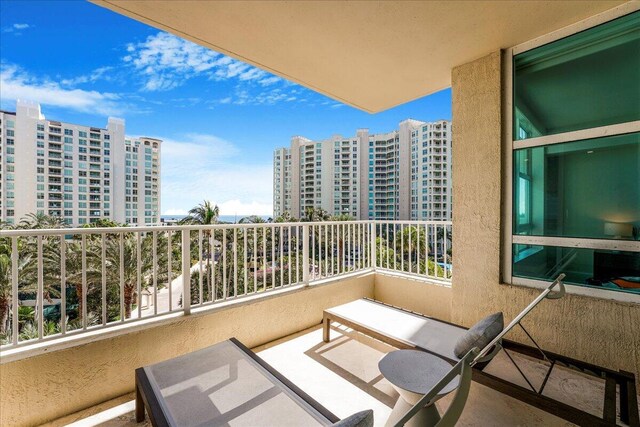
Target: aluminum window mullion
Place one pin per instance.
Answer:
(507, 184)
(576, 242)
(578, 135)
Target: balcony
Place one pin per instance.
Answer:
(294, 270)
(266, 284)
(269, 283)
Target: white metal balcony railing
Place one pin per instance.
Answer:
(62, 282)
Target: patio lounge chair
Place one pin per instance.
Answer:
(228, 384)
(405, 329)
(408, 330)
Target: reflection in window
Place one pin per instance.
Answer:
(587, 80)
(603, 269)
(579, 189)
(575, 202)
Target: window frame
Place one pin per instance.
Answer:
(509, 146)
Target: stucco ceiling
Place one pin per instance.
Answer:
(371, 55)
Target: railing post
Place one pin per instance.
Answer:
(14, 290)
(305, 254)
(372, 246)
(186, 271)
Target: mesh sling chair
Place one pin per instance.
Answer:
(407, 330)
(228, 384)
(395, 366)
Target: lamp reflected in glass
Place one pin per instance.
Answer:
(618, 230)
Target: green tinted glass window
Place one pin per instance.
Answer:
(603, 269)
(586, 80)
(588, 189)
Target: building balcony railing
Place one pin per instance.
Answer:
(76, 281)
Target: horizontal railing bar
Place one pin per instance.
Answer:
(156, 228)
(425, 277)
(406, 222)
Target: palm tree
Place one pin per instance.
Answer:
(385, 254)
(5, 281)
(52, 260)
(5, 291)
(252, 219)
(340, 238)
(27, 264)
(103, 223)
(312, 214)
(285, 217)
(129, 265)
(407, 243)
(445, 233)
(206, 213)
(342, 217)
(41, 221)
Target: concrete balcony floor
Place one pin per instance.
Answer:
(343, 375)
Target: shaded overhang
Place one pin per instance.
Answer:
(370, 55)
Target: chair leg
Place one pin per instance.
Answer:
(139, 404)
(426, 417)
(326, 326)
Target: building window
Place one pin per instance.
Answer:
(576, 159)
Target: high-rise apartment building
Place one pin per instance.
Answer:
(403, 174)
(141, 180)
(79, 173)
(431, 171)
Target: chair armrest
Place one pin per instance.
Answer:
(487, 357)
(561, 289)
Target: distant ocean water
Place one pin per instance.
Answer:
(221, 218)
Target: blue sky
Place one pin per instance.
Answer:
(220, 118)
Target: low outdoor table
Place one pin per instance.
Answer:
(413, 374)
(223, 385)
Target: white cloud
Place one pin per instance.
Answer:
(165, 61)
(246, 96)
(201, 167)
(17, 84)
(16, 29)
(101, 73)
(231, 68)
(267, 81)
(194, 146)
(252, 74)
